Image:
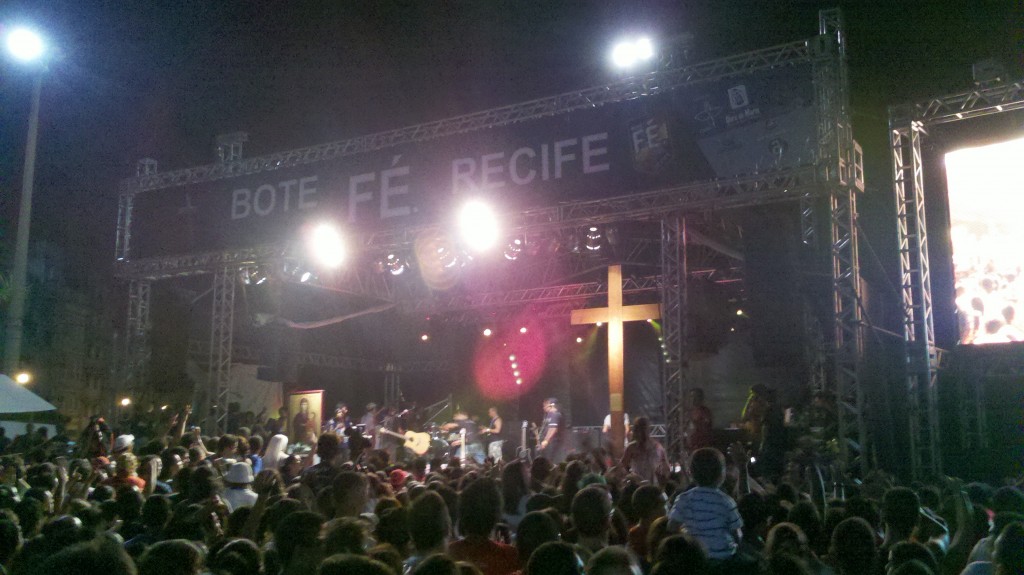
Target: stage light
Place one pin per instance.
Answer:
(395, 264)
(25, 45)
(447, 257)
(259, 276)
(579, 340)
(649, 320)
(519, 381)
(327, 246)
(487, 332)
(600, 323)
(511, 358)
(125, 402)
(515, 373)
(739, 312)
(424, 337)
(593, 239)
(732, 329)
(522, 329)
(163, 408)
(253, 276)
(23, 377)
(515, 365)
(513, 249)
(478, 225)
(305, 276)
(629, 53)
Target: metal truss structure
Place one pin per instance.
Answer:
(221, 338)
(907, 125)
(829, 182)
(136, 339)
(673, 325)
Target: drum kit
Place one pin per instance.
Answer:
(444, 441)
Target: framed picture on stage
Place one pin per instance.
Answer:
(305, 409)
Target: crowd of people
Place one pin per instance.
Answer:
(184, 503)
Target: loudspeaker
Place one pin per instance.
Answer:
(585, 439)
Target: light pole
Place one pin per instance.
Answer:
(28, 47)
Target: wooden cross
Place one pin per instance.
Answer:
(614, 315)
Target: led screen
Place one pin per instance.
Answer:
(986, 209)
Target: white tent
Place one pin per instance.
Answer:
(15, 398)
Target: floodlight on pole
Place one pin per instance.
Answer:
(478, 226)
(29, 48)
(25, 45)
(630, 53)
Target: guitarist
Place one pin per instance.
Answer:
(551, 432)
(496, 434)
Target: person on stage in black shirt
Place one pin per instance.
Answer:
(551, 432)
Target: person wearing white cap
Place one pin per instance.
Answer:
(239, 493)
(123, 443)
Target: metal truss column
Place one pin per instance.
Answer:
(921, 356)
(222, 323)
(674, 309)
(848, 325)
(840, 166)
(392, 390)
(136, 345)
(125, 207)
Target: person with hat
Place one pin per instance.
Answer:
(551, 433)
(239, 491)
(397, 478)
(124, 444)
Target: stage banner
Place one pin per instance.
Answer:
(741, 125)
(305, 409)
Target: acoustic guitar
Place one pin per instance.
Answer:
(417, 442)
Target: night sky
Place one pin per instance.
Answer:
(162, 79)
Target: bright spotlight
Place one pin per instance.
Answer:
(649, 320)
(629, 53)
(424, 337)
(125, 402)
(23, 378)
(579, 340)
(25, 45)
(522, 329)
(623, 55)
(511, 358)
(519, 381)
(600, 323)
(478, 225)
(739, 312)
(326, 246)
(487, 332)
(515, 366)
(306, 276)
(515, 373)
(163, 408)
